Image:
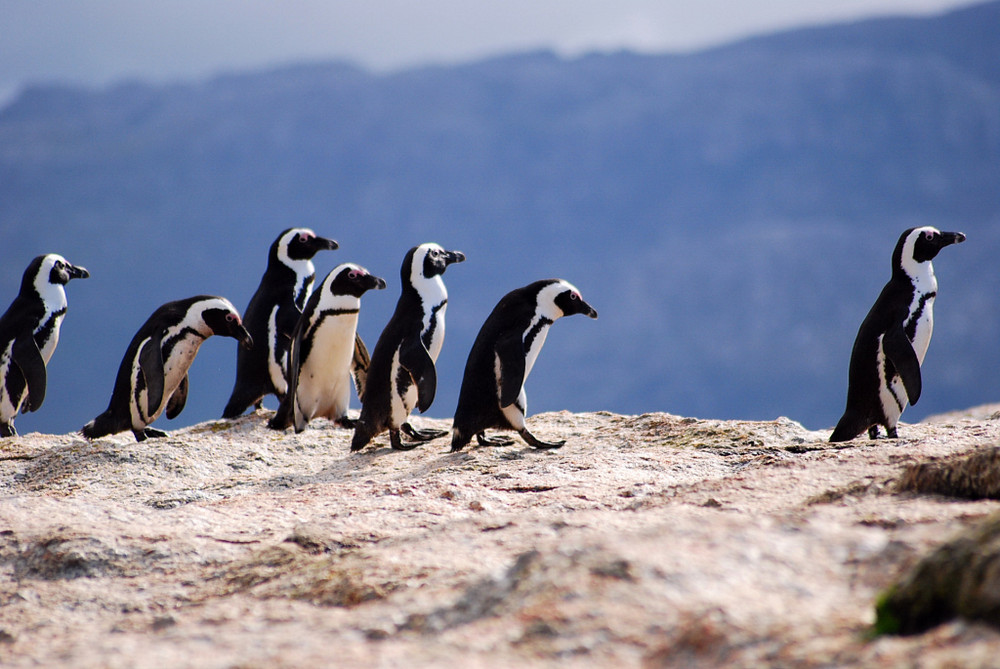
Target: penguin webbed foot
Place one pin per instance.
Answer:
(891, 433)
(345, 422)
(538, 443)
(495, 440)
(873, 432)
(398, 444)
(148, 433)
(421, 435)
(7, 430)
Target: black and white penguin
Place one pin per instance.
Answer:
(153, 375)
(505, 350)
(271, 316)
(884, 375)
(402, 373)
(322, 353)
(29, 332)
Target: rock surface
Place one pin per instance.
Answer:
(647, 541)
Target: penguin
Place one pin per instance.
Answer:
(402, 373)
(271, 316)
(153, 375)
(322, 351)
(492, 393)
(29, 332)
(884, 373)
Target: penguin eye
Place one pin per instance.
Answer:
(354, 274)
(928, 235)
(231, 317)
(304, 237)
(574, 296)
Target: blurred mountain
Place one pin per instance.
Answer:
(730, 213)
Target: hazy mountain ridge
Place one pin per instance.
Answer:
(729, 213)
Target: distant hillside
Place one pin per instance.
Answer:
(729, 213)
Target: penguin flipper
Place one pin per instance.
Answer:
(413, 356)
(151, 366)
(510, 352)
(359, 365)
(900, 351)
(177, 401)
(29, 360)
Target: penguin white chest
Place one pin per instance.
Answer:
(921, 323)
(324, 384)
(433, 330)
(534, 340)
(275, 363)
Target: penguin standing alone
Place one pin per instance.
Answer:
(505, 350)
(271, 316)
(402, 373)
(884, 374)
(153, 375)
(319, 369)
(29, 332)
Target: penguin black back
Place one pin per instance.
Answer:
(152, 376)
(402, 374)
(884, 374)
(271, 316)
(492, 393)
(29, 332)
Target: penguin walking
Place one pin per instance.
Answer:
(322, 352)
(505, 350)
(402, 373)
(29, 332)
(153, 375)
(884, 374)
(271, 316)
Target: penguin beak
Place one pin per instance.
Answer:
(317, 244)
(588, 310)
(77, 272)
(949, 238)
(374, 283)
(239, 333)
(454, 256)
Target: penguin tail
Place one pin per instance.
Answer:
(848, 427)
(101, 426)
(363, 434)
(282, 418)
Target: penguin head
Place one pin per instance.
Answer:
(920, 245)
(223, 320)
(427, 261)
(298, 244)
(567, 299)
(354, 280)
(50, 270)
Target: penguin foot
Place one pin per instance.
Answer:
(344, 421)
(148, 433)
(7, 430)
(398, 444)
(538, 443)
(873, 432)
(494, 441)
(421, 435)
(891, 433)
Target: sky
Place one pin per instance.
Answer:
(100, 42)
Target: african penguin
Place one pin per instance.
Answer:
(29, 332)
(322, 352)
(402, 373)
(505, 350)
(884, 374)
(153, 375)
(271, 316)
